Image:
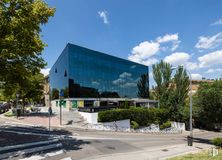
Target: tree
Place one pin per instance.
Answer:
(143, 86)
(208, 105)
(162, 76)
(172, 92)
(20, 42)
(29, 89)
(179, 93)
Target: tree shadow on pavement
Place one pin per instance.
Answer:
(11, 139)
(202, 140)
(12, 135)
(72, 144)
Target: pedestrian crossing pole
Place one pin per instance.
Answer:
(61, 95)
(50, 113)
(60, 108)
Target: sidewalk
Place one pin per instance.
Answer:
(39, 119)
(156, 153)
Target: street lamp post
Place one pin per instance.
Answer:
(190, 138)
(17, 95)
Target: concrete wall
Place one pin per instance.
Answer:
(90, 117)
(122, 123)
(178, 125)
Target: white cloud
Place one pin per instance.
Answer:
(181, 59)
(211, 59)
(45, 71)
(168, 38)
(196, 76)
(218, 22)
(125, 80)
(175, 45)
(146, 49)
(209, 42)
(95, 83)
(129, 84)
(103, 15)
(178, 58)
(192, 65)
(174, 38)
(150, 61)
(145, 52)
(133, 66)
(211, 70)
(119, 81)
(125, 75)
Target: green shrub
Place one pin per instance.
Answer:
(134, 125)
(167, 124)
(217, 142)
(142, 116)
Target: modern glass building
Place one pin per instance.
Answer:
(80, 72)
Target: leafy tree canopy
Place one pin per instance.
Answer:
(20, 40)
(172, 92)
(208, 105)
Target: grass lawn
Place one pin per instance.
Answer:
(199, 156)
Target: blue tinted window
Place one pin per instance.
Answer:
(94, 74)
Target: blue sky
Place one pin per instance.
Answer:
(180, 32)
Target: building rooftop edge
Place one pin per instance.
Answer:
(105, 53)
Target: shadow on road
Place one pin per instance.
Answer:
(202, 140)
(17, 135)
(73, 144)
(13, 135)
(11, 139)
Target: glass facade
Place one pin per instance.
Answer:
(81, 72)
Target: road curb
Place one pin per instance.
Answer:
(188, 152)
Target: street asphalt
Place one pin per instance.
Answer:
(90, 144)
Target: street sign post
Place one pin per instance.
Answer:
(50, 113)
(17, 96)
(61, 95)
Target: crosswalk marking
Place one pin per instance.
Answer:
(67, 158)
(38, 157)
(28, 145)
(30, 150)
(54, 153)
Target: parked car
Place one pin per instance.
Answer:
(4, 107)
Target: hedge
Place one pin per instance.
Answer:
(217, 142)
(142, 116)
(166, 124)
(134, 125)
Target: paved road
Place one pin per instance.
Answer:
(85, 144)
